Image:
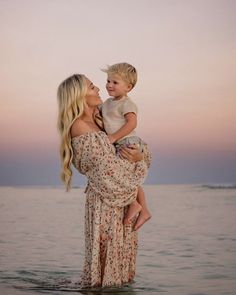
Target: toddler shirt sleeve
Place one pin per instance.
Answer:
(128, 107)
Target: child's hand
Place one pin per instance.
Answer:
(111, 138)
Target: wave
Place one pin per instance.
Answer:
(219, 186)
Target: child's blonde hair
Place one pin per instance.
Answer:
(126, 71)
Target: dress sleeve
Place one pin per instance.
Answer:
(114, 179)
(82, 153)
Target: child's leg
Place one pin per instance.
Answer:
(135, 207)
(144, 214)
(133, 210)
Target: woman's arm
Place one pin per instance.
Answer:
(116, 180)
(132, 154)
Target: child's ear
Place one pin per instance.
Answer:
(129, 86)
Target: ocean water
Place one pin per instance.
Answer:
(187, 248)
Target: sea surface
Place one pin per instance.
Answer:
(187, 248)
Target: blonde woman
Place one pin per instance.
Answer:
(110, 246)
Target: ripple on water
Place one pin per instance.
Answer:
(216, 276)
(52, 282)
(165, 253)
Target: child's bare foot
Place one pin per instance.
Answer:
(133, 210)
(143, 217)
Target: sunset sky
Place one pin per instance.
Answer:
(185, 54)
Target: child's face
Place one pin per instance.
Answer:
(117, 87)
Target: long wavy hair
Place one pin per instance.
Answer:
(71, 102)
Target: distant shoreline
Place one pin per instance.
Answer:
(208, 186)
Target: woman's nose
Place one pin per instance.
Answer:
(97, 89)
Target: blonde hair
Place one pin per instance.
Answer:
(70, 95)
(126, 71)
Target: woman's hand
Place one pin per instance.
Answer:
(131, 153)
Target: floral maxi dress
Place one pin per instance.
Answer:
(110, 247)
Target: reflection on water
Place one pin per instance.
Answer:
(188, 247)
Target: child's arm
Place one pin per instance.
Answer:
(130, 125)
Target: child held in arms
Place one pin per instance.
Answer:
(119, 115)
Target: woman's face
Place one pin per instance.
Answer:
(92, 97)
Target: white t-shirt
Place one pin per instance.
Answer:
(113, 113)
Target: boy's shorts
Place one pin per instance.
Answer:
(127, 141)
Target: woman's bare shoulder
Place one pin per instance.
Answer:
(79, 127)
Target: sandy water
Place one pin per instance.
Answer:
(188, 247)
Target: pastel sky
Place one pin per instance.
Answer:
(185, 54)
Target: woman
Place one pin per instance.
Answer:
(110, 246)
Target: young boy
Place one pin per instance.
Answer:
(120, 120)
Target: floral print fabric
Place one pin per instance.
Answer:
(110, 247)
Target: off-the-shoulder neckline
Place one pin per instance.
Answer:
(88, 133)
